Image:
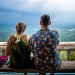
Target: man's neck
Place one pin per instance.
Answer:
(42, 27)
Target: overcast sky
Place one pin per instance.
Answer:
(29, 11)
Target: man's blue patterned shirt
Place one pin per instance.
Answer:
(43, 45)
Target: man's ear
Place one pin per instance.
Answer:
(40, 22)
(49, 23)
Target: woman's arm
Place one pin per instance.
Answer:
(28, 42)
(7, 48)
(28, 39)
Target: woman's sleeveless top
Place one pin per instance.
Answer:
(19, 53)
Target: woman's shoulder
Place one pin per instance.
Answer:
(11, 36)
(24, 38)
(25, 35)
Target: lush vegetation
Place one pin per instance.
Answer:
(73, 56)
(63, 55)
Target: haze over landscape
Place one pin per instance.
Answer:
(29, 11)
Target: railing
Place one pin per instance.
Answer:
(3, 47)
(63, 46)
(67, 66)
(67, 46)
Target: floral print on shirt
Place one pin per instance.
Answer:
(44, 48)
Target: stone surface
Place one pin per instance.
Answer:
(68, 64)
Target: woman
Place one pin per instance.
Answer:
(17, 48)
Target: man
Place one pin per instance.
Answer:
(44, 47)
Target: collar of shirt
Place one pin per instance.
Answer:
(44, 29)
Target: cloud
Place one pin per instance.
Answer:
(60, 10)
(65, 17)
(20, 5)
(60, 5)
(39, 5)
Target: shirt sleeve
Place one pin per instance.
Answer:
(32, 38)
(31, 43)
(56, 37)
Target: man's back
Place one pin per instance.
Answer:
(44, 47)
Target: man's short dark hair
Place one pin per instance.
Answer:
(45, 19)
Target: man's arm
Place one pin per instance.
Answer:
(31, 46)
(56, 37)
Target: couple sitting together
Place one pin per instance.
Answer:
(37, 51)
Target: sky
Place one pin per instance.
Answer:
(30, 11)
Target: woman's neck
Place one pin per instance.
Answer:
(19, 35)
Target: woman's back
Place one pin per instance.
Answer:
(17, 48)
(19, 53)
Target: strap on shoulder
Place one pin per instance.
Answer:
(24, 38)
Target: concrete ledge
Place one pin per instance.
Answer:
(67, 67)
(68, 64)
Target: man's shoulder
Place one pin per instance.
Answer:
(50, 31)
(53, 31)
(35, 34)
